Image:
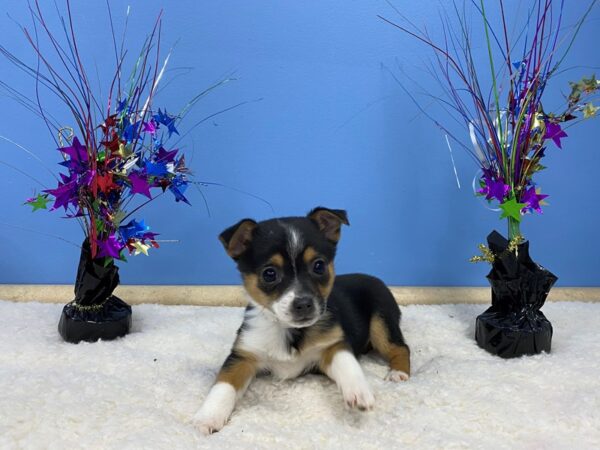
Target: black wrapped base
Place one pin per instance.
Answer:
(508, 336)
(109, 321)
(514, 325)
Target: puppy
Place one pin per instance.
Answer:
(301, 317)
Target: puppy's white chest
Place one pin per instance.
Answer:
(266, 339)
(294, 367)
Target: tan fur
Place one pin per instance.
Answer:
(329, 223)
(398, 356)
(322, 337)
(277, 260)
(257, 294)
(240, 239)
(309, 255)
(325, 289)
(239, 373)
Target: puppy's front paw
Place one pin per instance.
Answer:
(209, 422)
(359, 396)
(216, 409)
(397, 376)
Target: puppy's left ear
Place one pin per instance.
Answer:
(329, 221)
(236, 239)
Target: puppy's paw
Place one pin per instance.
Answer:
(396, 376)
(359, 396)
(217, 408)
(209, 422)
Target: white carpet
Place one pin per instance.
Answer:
(141, 391)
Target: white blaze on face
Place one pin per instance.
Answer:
(294, 243)
(282, 307)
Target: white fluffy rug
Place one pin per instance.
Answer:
(141, 391)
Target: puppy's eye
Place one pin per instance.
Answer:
(319, 267)
(269, 275)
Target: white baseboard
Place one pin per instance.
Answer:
(234, 296)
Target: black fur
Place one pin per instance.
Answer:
(354, 300)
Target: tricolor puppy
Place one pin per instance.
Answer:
(301, 317)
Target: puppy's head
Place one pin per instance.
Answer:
(287, 264)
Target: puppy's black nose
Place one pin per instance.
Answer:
(303, 306)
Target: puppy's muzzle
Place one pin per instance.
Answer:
(303, 309)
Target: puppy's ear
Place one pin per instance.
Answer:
(237, 238)
(329, 221)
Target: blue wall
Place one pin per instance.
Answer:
(332, 128)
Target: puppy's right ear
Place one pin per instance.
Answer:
(237, 238)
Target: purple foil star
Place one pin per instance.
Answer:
(111, 247)
(78, 157)
(554, 132)
(532, 199)
(494, 189)
(75, 151)
(66, 193)
(150, 127)
(139, 185)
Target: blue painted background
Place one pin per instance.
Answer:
(326, 124)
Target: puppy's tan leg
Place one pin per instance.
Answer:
(340, 364)
(236, 374)
(391, 348)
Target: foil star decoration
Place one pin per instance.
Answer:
(493, 189)
(554, 132)
(106, 183)
(533, 199)
(166, 156)
(167, 120)
(110, 162)
(512, 208)
(135, 230)
(589, 110)
(38, 202)
(140, 247)
(139, 185)
(155, 169)
(150, 127)
(110, 247)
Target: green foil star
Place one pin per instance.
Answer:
(39, 202)
(512, 208)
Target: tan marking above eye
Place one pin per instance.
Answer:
(257, 294)
(277, 260)
(309, 255)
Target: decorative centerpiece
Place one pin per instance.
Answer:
(510, 133)
(115, 160)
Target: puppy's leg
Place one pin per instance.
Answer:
(236, 374)
(340, 364)
(387, 339)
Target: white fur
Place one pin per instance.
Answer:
(348, 375)
(265, 337)
(295, 243)
(216, 409)
(281, 307)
